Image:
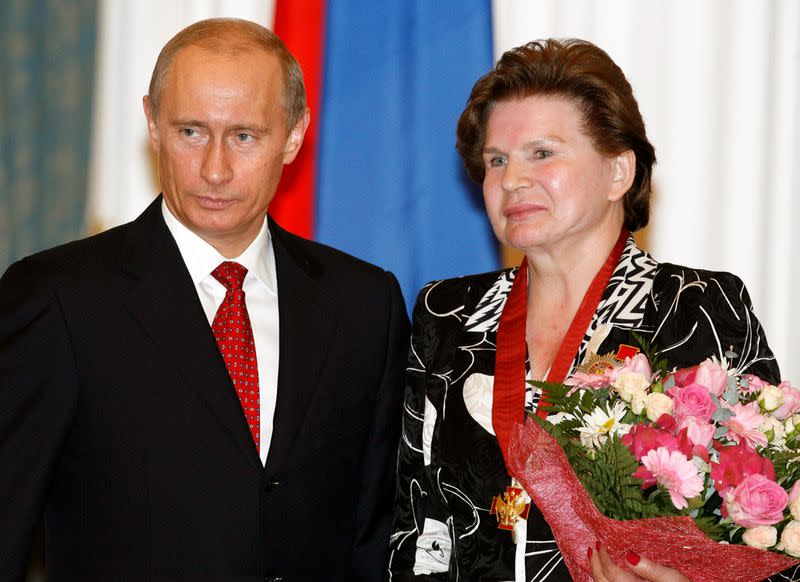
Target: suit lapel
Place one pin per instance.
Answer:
(306, 328)
(165, 303)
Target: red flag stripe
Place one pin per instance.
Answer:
(301, 26)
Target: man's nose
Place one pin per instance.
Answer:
(216, 168)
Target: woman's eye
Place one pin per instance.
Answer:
(543, 154)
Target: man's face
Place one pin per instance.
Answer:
(222, 139)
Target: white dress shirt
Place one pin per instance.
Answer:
(261, 295)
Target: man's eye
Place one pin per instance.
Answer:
(497, 161)
(189, 131)
(244, 137)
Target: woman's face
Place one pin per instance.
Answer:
(545, 184)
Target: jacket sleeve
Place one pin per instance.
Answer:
(702, 314)
(38, 394)
(418, 514)
(374, 513)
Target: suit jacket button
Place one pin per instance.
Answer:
(268, 487)
(274, 579)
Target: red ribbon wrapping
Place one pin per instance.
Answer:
(537, 460)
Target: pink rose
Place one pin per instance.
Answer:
(685, 376)
(756, 501)
(699, 431)
(791, 401)
(638, 364)
(693, 400)
(713, 376)
(642, 439)
(736, 462)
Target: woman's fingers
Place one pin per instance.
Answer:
(605, 570)
(650, 570)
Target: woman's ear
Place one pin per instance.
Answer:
(624, 171)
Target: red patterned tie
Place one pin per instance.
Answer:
(235, 340)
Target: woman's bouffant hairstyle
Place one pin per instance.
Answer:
(583, 73)
(233, 36)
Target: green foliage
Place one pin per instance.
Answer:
(787, 464)
(608, 480)
(709, 525)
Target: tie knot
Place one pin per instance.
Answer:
(230, 274)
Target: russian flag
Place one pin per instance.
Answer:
(378, 175)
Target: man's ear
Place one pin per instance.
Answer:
(152, 127)
(295, 139)
(624, 171)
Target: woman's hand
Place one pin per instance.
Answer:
(605, 570)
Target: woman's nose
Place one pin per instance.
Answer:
(516, 175)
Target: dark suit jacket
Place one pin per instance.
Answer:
(119, 421)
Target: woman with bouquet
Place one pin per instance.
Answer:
(555, 137)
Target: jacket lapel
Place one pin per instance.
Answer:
(165, 303)
(305, 331)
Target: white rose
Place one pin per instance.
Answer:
(762, 536)
(794, 508)
(790, 539)
(657, 404)
(770, 398)
(638, 402)
(774, 430)
(628, 384)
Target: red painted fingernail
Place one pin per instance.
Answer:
(589, 552)
(597, 545)
(632, 558)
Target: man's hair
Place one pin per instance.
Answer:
(578, 71)
(233, 36)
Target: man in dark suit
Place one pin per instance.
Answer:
(198, 394)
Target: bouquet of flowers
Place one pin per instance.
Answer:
(669, 464)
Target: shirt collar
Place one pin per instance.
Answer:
(201, 258)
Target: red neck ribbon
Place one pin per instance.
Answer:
(508, 406)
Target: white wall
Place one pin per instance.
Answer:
(718, 86)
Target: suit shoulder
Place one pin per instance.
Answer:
(671, 280)
(75, 259)
(466, 283)
(462, 293)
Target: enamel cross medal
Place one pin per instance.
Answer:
(511, 507)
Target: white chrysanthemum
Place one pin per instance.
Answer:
(601, 423)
